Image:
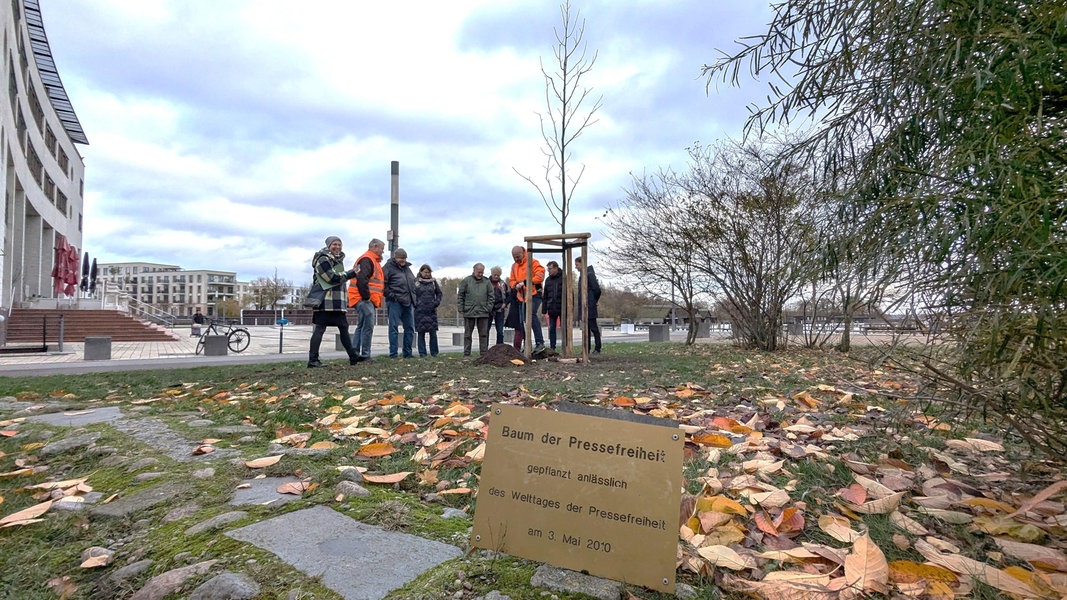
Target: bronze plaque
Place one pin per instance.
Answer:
(584, 493)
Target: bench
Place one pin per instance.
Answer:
(605, 323)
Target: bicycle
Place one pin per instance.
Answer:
(237, 338)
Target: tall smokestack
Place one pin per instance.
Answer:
(394, 221)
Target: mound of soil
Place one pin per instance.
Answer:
(500, 355)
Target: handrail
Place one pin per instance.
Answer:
(151, 313)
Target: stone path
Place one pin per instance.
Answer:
(356, 560)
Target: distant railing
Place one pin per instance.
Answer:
(151, 313)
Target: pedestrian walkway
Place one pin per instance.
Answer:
(268, 344)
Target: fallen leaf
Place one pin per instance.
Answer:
(838, 528)
(966, 566)
(26, 513)
(517, 362)
(100, 560)
(260, 463)
(726, 557)
(296, 487)
(1041, 557)
(323, 445)
(1041, 496)
(390, 478)
(376, 449)
(880, 506)
(714, 440)
(866, 568)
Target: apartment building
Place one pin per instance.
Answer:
(175, 290)
(43, 175)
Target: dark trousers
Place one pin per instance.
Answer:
(553, 321)
(433, 342)
(594, 334)
(482, 324)
(498, 324)
(316, 341)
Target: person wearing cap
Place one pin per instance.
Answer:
(366, 295)
(400, 301)
(328, 268)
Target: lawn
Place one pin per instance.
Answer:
(807, 473)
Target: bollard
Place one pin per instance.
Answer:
(98, 348)
(659, 333)
(215, 345)
(457, 339)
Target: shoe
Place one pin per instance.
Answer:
(315, 364)
(596, 352)
(353, 360)
(363, 359)
(538, 348)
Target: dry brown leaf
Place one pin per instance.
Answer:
(907, 523)
(839, 528)
(26, 514)
(1041, 557)
(323, 445)
(100, 560)
(727, 558)
(966, 566)
(881, 506)
(390, 478)
(260, 463)
(296, 488)
(866, 568)
(64, 586)
(1041, 496)
(460, 490)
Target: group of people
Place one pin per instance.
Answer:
(412, 300)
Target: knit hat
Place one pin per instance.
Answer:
(332, 239)
(400, 253)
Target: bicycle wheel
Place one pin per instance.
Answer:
(200, 344)
(238, 339)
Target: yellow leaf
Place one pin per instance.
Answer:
(376, 449)
(713, 439)
(720, 504)
(517, 361)
(990, 504)
(260, 463)
(866, 568)
(1004, 526)
(906, 571)
(323, 445)
(390, 478)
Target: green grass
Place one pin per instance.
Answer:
(283, 398)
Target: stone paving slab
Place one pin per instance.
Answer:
(79, 418)
(358, 561)
(261, 492)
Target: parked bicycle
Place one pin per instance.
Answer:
(237, 337)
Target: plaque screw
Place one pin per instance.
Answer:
(665, 581)
(478, 538)
(674, 437)
(498, 411)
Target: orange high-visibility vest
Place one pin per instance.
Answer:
(376, 283)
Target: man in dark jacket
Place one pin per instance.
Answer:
(400, 301)
(552, 304)
(587, 306)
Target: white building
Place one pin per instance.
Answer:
(175, 290)
(43, 175)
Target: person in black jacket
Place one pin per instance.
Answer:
(427, 299)
(552, 302)
(587, 306)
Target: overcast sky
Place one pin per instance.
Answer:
(238, 134)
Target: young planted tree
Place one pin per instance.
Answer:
(955, 116)
(569, 111)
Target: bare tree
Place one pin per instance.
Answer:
(267, 292)
(753, 233)
(566, 115)
(651, 244)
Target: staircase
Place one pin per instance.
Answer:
(25, 325)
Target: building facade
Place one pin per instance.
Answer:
(43, 175)
(175, 290)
